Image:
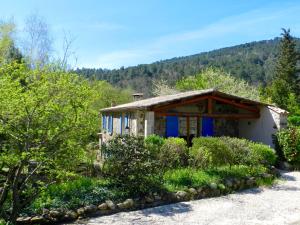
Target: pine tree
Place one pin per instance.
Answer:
(285, 81)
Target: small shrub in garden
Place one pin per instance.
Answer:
(210, 152)
(289, 142)
(130, 165)
(261, 153)
(240, 150)
(154, 143)
(173, 153)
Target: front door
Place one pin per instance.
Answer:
(207, 126)
(172, 126)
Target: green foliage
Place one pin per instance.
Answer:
(8, 51)
(289, 142)
(219, 79)
(130, 165)
(154, 143)
(262, 154)
(181, 178)
(294, 120)
(173, 153)
(253, 62)
(48, 117)
(210, 152)
(286, 79)
(74, 194)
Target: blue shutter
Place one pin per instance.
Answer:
(111, 124)
(103, 122)
(126, 121)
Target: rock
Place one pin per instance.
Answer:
(38, 220)
(23, 220)
(128, 203)
(71, 215)
(80, 211)
(46, 212)
(182, 196)
(157, 197)
(90, 209)
(251, 181)
(121, 205)
(228, 183)
(110, 205)
(149, 199)
(56, 214)
(213, 186)
(267, 176)
(192, 191)
(103, 206)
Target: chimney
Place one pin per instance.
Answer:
(137, 96)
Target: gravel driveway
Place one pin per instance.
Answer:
(277, 205)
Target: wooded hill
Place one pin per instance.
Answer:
(253, 62)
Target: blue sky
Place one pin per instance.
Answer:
(111, 34)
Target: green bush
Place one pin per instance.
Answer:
(261, 153)
(173, 153)
(154, 143)
(210, 152)
(294, 120)
(182, 178)
(240, 150)
(218, 151)
(130, 165)
(289, 142)
(74, 194)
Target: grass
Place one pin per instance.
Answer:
(179, 179)
(74, 194)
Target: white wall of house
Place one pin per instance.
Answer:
(149, 123)
(262, 129)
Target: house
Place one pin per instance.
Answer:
(193, 114)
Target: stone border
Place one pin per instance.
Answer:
(109, 207)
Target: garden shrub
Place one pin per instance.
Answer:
(210, 152)
(261, 153)
(240, 150)
(73, 194)
(294, 120)
(289, 142)
(218, 151)
(173, 153)
(130, 165)
(154, 143)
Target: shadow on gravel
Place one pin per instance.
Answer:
(168, 210)
(287, 177)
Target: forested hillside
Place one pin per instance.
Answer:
(253, 62)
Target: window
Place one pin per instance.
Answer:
(110, 124)
(104, 122)
(126, 125)
(121, 124)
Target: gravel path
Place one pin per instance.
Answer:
(277, 205)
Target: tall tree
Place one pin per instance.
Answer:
(8, 50)
(218, 79)
(286, 81)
